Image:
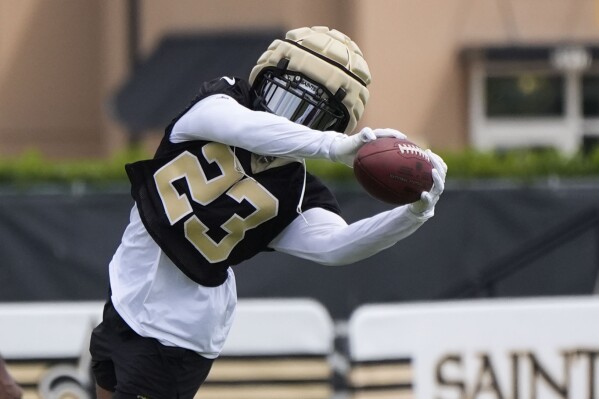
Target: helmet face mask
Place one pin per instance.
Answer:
(292, 95)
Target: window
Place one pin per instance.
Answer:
(525, 95)
(590, 96)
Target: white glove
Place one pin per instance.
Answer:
(428, 199)
(345, 147)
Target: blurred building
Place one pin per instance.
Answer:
(450, 73)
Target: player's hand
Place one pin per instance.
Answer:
(428, 199)
(344, 149)
(9, 389)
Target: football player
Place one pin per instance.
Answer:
(228, 181)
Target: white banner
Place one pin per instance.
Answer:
(487, 349)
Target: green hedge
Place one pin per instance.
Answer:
(521, 165)
(31, 167)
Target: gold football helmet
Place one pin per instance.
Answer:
(315, 76)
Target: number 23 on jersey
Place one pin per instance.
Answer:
(204, 191)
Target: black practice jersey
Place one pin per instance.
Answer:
(207, 208)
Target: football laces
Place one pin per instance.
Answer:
(410, 149)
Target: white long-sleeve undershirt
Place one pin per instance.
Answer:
(324, 237)
(319, 235)
(221, 119)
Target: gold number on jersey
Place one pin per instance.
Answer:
(203, 191)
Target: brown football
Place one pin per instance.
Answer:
(393, 170)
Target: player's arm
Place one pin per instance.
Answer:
(324, 237)
(222, 119)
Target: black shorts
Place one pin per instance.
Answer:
(133, 366)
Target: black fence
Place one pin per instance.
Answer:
(488, 239)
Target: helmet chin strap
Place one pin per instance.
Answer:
(258, 104)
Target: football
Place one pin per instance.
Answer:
(393, 170)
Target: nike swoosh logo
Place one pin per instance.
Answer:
(229, 80)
